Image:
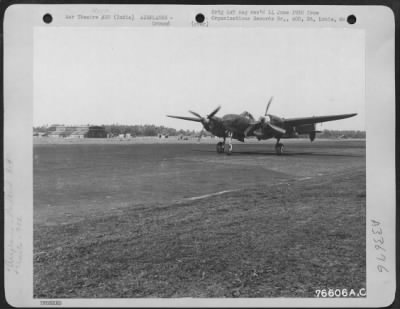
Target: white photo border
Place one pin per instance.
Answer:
(19, 23)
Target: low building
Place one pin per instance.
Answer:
(96, 132)
(57, 131)
(77, 134)
(39, 134)
(78, 131)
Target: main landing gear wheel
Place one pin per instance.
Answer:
(279, 148)
(220, 147)
(229, 150)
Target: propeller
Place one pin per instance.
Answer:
(263, 118)
(214, 112)
(276, 128)
(196, 114)
(256, 124)
(208, 117)
(185, 118)
(263, 121)
(269, 103)
(207, 121)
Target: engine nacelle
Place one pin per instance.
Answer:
(305, 128)
(312, 135)
(290, 133)
(239, 137)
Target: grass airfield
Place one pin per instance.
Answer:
(175, 219)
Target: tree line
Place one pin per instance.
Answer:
(342, 134)
(133, 130)
(146, 130)
(153, 130)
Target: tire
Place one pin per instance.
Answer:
(229, 150)
(279, 149)
(220, 147)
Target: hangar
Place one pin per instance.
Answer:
(96, 132)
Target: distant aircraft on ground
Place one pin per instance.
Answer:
(239, 127)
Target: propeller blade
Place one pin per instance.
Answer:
(249, 129)
(253, 126)
(276, 129)
(196, 114)
(185, 118)
(214, 112)
(269, 103)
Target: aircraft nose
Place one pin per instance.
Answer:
(227, 121)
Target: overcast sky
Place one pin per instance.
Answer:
(138, 75)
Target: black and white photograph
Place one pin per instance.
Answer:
(222, 159)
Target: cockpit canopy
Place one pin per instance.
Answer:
(247, 115)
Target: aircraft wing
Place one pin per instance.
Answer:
(185, 118)
(315, 119)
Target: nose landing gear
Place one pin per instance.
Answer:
(221, 146)
(229, 150)
(230, 147)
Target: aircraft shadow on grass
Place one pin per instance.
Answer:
(308, 153)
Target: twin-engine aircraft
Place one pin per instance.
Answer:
(234, 126)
